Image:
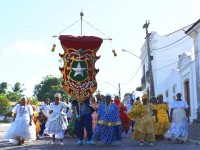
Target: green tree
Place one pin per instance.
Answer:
(48, 87)
(3, 87)
(34, 101)
(4, 104)
(16, 93)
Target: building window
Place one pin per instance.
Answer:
(174, 89)
(167, 94)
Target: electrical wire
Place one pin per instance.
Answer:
(135, 72)
(175, 62)
(174, 42)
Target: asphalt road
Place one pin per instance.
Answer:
(70, 144)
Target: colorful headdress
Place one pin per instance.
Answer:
(57, 95)
(145, 96)
(159, 96)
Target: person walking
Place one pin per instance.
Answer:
(57, 121)
(179, 118)
(22, 129)
(161, 117)
(108, 128)
(43, 115)
(144, 127)
(83, 120)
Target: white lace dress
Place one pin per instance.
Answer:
(21, 128)
(57, 121)
(179, 126)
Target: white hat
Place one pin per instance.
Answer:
(57, 95)
(108, 94)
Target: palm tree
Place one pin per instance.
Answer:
(16, 92)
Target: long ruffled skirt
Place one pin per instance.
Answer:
(21, 128)
(107, 134)
(144, 129)
(56, 124)
(179, 126)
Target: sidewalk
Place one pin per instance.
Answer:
(194, 133)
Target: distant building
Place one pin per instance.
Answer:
(173, 66)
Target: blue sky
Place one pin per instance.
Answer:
(27, 28)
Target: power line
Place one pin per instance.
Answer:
(175, 62)
(136, 71)
(175, 45)
(175, 41)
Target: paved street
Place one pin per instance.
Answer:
(70, 144)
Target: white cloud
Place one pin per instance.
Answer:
(31, 47)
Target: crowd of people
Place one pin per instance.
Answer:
(147, 119)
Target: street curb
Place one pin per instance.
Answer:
(194, 142)
(5, 125)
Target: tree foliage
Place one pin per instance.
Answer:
(4, 104)
(16, 93)
(3, 87)
(48, 87)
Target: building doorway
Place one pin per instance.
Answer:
(187, 93)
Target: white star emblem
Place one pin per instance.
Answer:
(78, 70)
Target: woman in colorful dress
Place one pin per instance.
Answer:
(36, 121)
(161, 117)
(125, 121)
(108, 128)
(57, 121)
(144, 127)
(23, 128)
(179, 118)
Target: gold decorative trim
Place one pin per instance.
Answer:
(105, 123)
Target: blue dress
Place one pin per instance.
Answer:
(108, 128)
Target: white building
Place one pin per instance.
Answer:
(194, 33)
(173, 67)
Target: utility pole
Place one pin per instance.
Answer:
(152, 92)
(119, 91)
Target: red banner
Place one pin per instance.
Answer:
(79, 72)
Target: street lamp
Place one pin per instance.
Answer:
(124, 50)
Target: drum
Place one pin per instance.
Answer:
(42, 117)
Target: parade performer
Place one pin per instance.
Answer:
(72, 124)
(125, 121)
(129, 107)
(68, 111)
(94, 105)
(83, 120)
(144, 127)
(161, 118)
(43, 115)
(57, 121)
(179, 118)
(36, 121)
(23, 128)
(79, 77)
(108, 128)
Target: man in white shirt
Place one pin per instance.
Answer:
(68, 109)
(44, 109)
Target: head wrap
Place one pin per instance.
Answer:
(159, 96)
(138, 98)
(24, 98)
(145, 96)
(57, 95)
(109, 95)
(34, 108)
